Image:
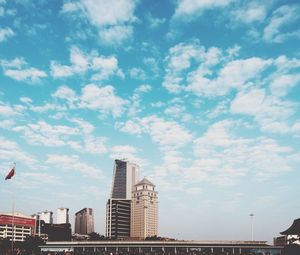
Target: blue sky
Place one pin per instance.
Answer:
(204, 95)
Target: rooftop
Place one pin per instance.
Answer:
(144, 181)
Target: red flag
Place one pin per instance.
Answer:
(10, 174)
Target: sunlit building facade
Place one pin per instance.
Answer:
(144, 210)
(16, 225)
(62, 216)
(84, 221)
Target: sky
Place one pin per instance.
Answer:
(202, 94)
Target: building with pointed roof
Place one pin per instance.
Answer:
(144, 210)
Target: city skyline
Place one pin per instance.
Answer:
(202, 95)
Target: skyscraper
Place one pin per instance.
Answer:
(62, 216)
(84, 221)
(125, 175)
(118, 210)
(118, 218)
(144, 210)
(47, 216)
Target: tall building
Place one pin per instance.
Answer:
(16, 225)
(118, 218)
(62, 216)
(84, 221)
(125, 175)
(144, 210)
(47, 216)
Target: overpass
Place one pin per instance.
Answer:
(160, 247)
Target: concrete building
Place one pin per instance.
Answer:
(16, 225)
(46, 216)
(118, 218)
(126, 174)
(144, 210)
(62, 216)
(84, 221)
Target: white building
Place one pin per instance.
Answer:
(62, 216)
(144, 210)
(46, 216)
(16, 225)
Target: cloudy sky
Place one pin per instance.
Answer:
(204, 95)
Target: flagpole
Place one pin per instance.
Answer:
(13, 224)
(13, 215)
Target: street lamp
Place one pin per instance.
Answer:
(252, 218)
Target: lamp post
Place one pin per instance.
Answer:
(252, 218)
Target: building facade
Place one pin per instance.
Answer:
(126, 174)
(46, 216)
(144, 210)
(62, 216)
(16, 226)
(118, 218)
(84, 221)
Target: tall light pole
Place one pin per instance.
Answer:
(252, 218)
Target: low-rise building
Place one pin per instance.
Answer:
(16, 226)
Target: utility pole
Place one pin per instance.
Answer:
(252, 218)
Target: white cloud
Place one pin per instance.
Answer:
(11, 152)
(64, 92)
(131, 127)
(154, 22)
(73, 163)
(101, 67)
(42, 133)
(269, 111)
(115, 34)
(194, 8)
(113, 19)
(102, 99)
(7, 124)
(223, 158)
(71, 7)
(26, 100)
(79, 60)
(104, 67)
(168, 134)
(19, 70)
(281, 17)
(135, 105)
(7, 110)
(58, 70)
(95, 145)
(152, 63)
(47, 107)
(6, 33)
(110, 12)
(233, 75)
(137, 73)
(39, 178)
(85, 127)
(123, 151)
(211, 72)
(281, 85)
(250, 12)
(249, 103)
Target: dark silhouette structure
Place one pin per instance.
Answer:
(57, 232)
